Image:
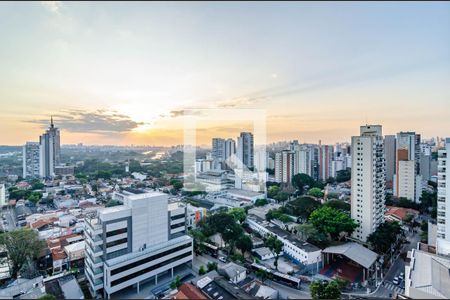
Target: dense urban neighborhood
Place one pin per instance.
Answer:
(365, 219)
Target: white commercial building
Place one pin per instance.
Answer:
(138, 240)
(299, 251)
(443, 201)
(368, 180)
(31, 160)
(427, 276)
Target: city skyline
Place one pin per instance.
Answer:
(109, 80)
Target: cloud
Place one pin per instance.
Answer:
(183, 112)
(52, 6)
(99, 121)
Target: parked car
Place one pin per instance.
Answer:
(223, 259)
(396, 281)
(401, 276)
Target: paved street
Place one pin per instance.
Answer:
(286, 292)
(9, 219)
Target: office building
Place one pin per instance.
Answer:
(389, 154)
(31, 160)
(245, 150)
(368, 180)
(133, 242)
(443, 201)
(285, 166)
(218, 149)
(50, 151)
(230, 148)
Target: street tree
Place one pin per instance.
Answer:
(332, 222)
(275, 246)
(22, 245)
(325, 290)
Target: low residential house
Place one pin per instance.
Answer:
(258, 290)
(233, 272)
(189, 291)
(263, 253)
(23, 288)
(399, 214)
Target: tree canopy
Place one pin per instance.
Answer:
(302, 207)
(22, 245)
(384, 236)
(332, 221)
(325, 290)
(275, 246)
(338, 204)
(315, 192)
(238, 213)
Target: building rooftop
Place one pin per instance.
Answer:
(430, 274)
(293, 239)
(354, 251)
(189, 291)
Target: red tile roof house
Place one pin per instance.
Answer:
(399, 214)
(189, 291)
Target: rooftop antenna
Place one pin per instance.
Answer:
(51, 122)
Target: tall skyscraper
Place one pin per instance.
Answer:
(31, 160)
(407, 182)
(368, 180)
(135, 242)
(245, 149)
(2, 195)
(389, 154)
(325, 159)
(230, 148)
(50, 151)
(285, 162)
(443, 201)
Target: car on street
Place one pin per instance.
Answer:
(401, 276)
(223, 259)
(396, 281)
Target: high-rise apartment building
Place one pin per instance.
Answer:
(325, 161)
(245, 149)
(218, 149)
(389, 154)
(368, 180)
(2, 194)
(31, 160)
(285, 162)
(50, 151)
(139, 240)
(407, 182)
(308, 160)
(230, 148)
(443, 201)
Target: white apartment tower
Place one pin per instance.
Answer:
(443, 201)
(50, 151)
(368, 180)
(133, 242)
(31, 160)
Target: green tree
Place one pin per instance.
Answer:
(176, 283)
(275, 246)
(22, 245)
(238, 213)
(244, 243)
(211, 266)
(37, 185)
(332, 221)
(384, 236)
(338, 204)
(273, 191)
(231, 234)
(177, 184)
(315, 192)
(262, 275)
(343, 175)
(302, 207)
(201, 270)
(34, 197)
(199, 238)
(299, 181)
(261, 202)
(306, 231)
(322, 290)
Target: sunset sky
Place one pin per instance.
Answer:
(122, 73)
